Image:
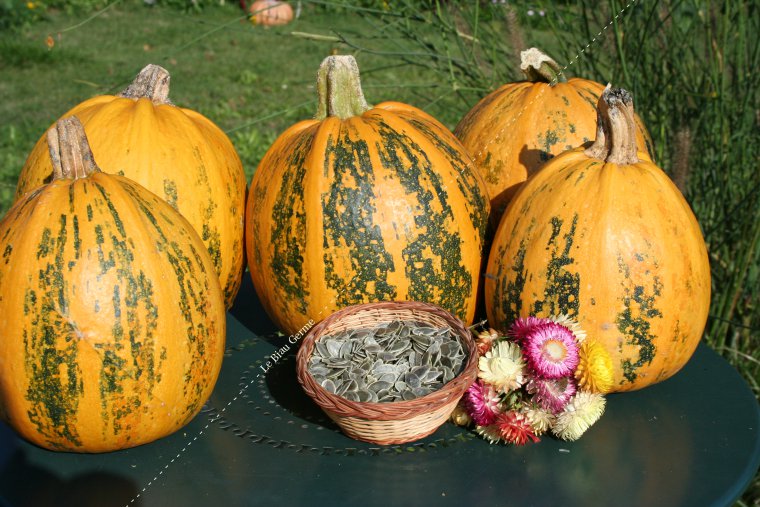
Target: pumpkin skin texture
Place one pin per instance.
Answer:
(515, 129)
(603, 235)
(270, 13)
(363, 204)
(112, 320)
(175, 153)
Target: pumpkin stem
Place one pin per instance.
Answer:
(151, 83)
(339, 88)
(69, 150)
(615, 129)
(539, 67)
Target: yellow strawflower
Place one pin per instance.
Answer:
(594, 371)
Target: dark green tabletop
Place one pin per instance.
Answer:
(693, 440)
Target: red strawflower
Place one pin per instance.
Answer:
(515, 428)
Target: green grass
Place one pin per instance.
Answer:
(221, 66)
(251, 81)
(691, 64)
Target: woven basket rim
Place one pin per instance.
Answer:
(387, 411)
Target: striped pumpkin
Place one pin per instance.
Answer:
(514, 130)
(118, 320)
(175, 153)
(363, 204)
(602, 235)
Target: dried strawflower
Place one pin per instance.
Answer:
(551, 350)
(522, 327)
(527, 387)
(485, 339)
(482, 403)
(490, 433)
(540, 420)
(502, 366)
(572, 325)
(515, 428)
(459, 416)
(552, 394)
(580, 413)
(594, 371)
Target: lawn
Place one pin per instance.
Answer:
(250, 80)
(692, 66)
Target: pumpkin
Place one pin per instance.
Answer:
(602, 235)
(174, 152)
(363, 204)
(112, 319)
(270, 13)
(515, 129)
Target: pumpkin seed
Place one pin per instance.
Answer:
(329, 385)
(398, 360)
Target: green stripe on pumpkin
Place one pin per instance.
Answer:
(348, 209)
(451, 284)
(288, 233)
(50, 348)
(477, 200)
(562, 290)
(634, 320)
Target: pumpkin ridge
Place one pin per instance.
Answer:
(217, 225)
(188, 300)
(124, 359)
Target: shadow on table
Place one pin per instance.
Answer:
(283, 386)
(23, 484)
(249, 311)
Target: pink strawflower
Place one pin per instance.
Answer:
(515, 428)
(521, 328)
(552, 394)
(550, 350)
(482, 403)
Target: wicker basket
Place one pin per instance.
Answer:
(391, 422)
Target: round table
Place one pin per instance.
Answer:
(692, 440)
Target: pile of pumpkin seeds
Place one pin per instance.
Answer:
(395, 361)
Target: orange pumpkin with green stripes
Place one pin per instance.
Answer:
(363, 204)
(515, 129)
(174, 152)
(112, 319)
(602, 234)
